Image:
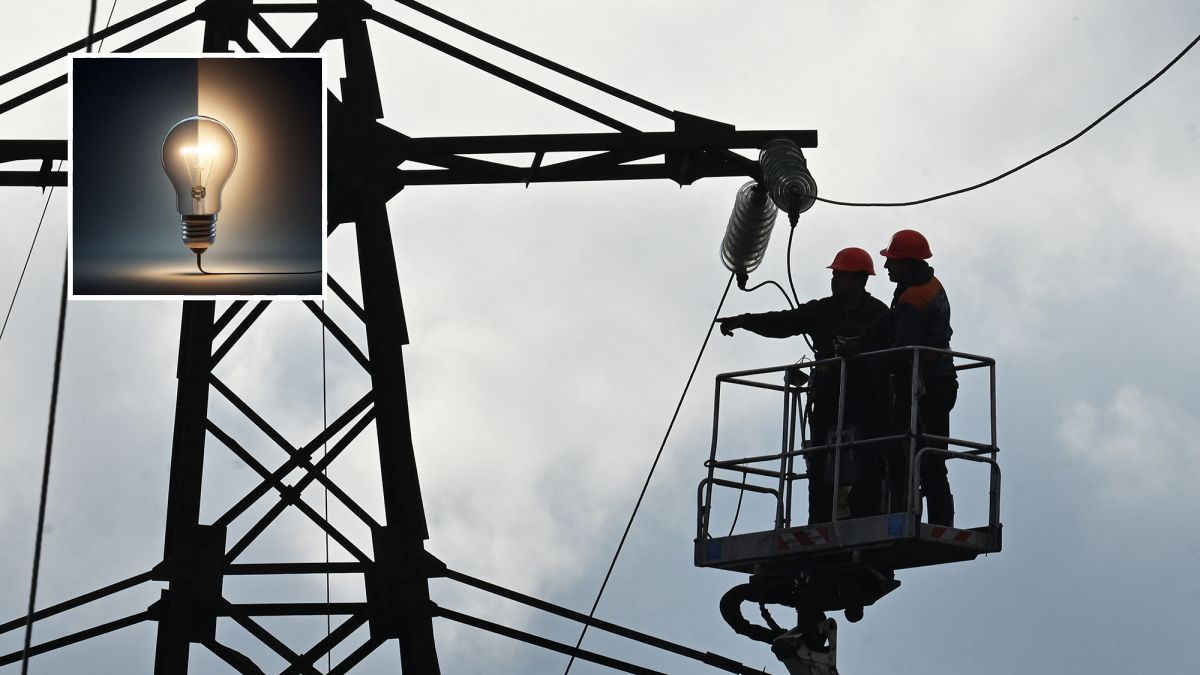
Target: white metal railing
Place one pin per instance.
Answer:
(794, 383)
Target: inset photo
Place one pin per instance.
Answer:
(196, 177)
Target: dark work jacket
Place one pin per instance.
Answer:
(824, 320)
(920, 315)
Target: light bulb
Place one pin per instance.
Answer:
(198, 154)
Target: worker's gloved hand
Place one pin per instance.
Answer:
(729, 323)
(844, 345)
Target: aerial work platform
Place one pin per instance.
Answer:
(893, 541)
(849, 561)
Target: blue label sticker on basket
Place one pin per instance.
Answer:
(896, 525)
(712, 551)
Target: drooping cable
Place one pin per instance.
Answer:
(1045, 154)
(791, 234)
(791, 284)
(41, 519)
(57, 54)
(58, 349)
(771, 282)
(663, 111)
(28, 255)
(106, 25)
(641, 495)
(50, 194)
(738, 511)
(204, 271)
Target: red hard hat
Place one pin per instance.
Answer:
(853, 259)
(907, 244)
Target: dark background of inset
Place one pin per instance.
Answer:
(125, 227)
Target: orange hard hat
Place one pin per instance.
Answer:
(853, 259)
(907, 244)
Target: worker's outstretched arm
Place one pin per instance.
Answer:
(785, 323)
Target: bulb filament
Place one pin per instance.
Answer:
(196, 157)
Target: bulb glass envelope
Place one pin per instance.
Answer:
(198, 155)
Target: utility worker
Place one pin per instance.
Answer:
(920, 315)
(845, 314)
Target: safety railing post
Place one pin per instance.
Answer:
(838, 437)
(994, 505)
(780, 518)
(706, 507)
(793, 397)
(913, 498)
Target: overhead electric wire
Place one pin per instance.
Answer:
(41, 518)
(106, 24)
(791, 234)
(771, 282)
(641, 495)
(791, 284)
(43, 497)
(51, 85)
(658, 456)
(613, 91)
(738, 511)
(108, 30)
(21, 277)
(1045, 154)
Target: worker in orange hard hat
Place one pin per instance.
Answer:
(844, 315)
(920, 315)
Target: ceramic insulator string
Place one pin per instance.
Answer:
(748, 232)
(785, 173)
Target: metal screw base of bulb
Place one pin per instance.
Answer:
(198, 232)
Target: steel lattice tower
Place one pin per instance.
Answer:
(363, 176)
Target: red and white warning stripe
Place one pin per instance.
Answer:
(803, 538)
(950, 534)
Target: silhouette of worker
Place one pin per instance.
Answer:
(831, 321)
(920, 315)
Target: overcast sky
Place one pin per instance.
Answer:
(553, 327)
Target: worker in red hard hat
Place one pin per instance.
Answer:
(844, 315)
(920, 315)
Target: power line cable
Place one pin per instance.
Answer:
(653, 466)
(41, 519)
(21, 277)
(106, 25)
(791, 234)
(791, 284)
(774, 283)
(58, 350)
(613, 91)
(1045, 154)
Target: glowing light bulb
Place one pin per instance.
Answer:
(198, 154)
